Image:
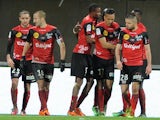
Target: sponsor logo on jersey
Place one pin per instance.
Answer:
(98, 31)
(138, 37)
(132, 46)
(105, 33)
(126, 37)
(43, 45)
(19, 34)
(93, 27)
(49, 35)
(82, 49)
(88, 28)
(20, 43)
(36, 35)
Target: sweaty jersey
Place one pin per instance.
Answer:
(132, 46)
(42, 40)
(16, 39)
(88, 27)
(111, 35)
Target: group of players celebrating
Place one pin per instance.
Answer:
(130, 46)
(33, 46)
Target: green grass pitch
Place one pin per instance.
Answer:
(35, 117)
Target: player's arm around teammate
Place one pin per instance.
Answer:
(103, 60)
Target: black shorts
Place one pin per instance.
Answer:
(81, 65)
(43, 71)
(131, 74)
(29, 77)
(16, 72)
(145, 76)
(103, 69)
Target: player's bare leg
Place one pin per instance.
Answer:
(26, 97)
(14, 92)
(75, 91)
(83, 95)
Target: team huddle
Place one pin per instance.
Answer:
(101, 41)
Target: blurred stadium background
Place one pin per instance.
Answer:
(65, 13)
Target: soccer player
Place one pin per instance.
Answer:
(42, 38)
(142, 98)
(81, 64)
(132, 41)
(16, 39)
(103, 60)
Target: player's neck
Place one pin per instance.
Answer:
(24, 26)
(135, 28)
(43, 25)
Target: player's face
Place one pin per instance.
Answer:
(36, 19)
(97, 13)
(109, 19)
(130, 24)
(24, 19)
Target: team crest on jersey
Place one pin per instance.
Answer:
(126, 37)
(36, 35)
(105, 33)
(19, 34)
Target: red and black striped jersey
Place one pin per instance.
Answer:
(43, 40)
(16, 39)
(132, 46)
(111, 35)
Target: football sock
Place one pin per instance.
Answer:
(107, 95)
(101, 100)
(42, 99)
(126, 101)
(14, 96)
(142, 100)
(26, 97)
(73, 103)
(46, 95)
(134, 101)
(96, 96)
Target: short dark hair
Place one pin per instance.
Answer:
(24, 12)
(93, 7)
(130, 16)
(137, 10)
(108, 11)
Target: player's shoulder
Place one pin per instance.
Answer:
(87, 19)
(115, 25)
(16, 27)
(142, 26)
(100, 24)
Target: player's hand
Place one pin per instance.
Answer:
(148, 69)
(10, 62)
(77, 28)
(62, 65)
(119, 65)
(23, 64)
